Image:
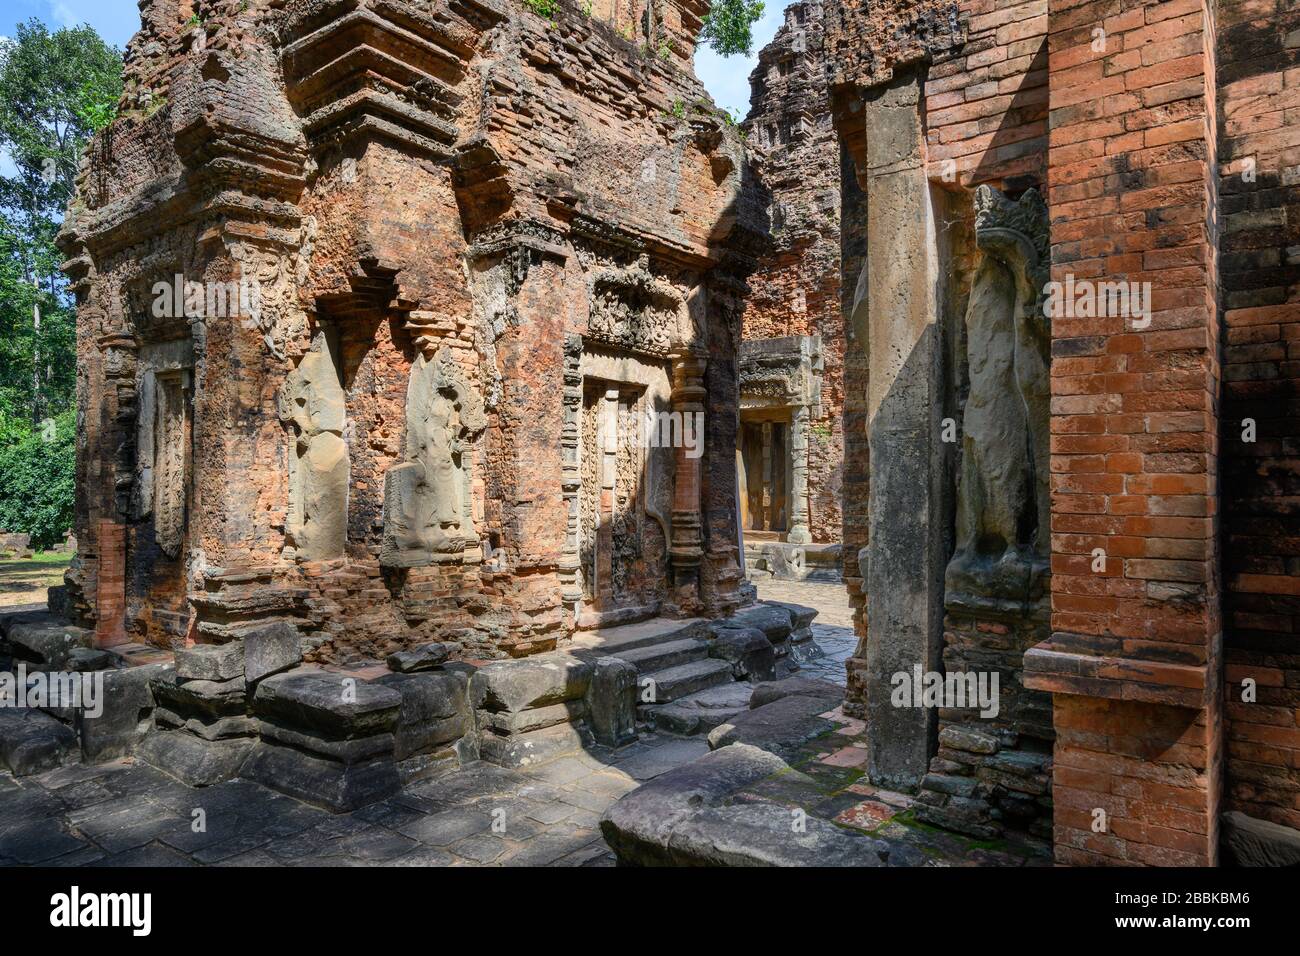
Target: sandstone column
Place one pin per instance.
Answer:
(799, 428)
(906, 554)
(687, 544)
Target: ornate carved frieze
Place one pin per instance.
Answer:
(634, 309)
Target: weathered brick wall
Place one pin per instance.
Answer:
(470, 191)
(1259, 249)
(1134, 447)
(796, 288)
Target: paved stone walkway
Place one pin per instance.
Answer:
(128, 814)
(832, 628)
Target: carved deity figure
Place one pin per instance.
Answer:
(313, 402)
(1002, 493)
(427, 496)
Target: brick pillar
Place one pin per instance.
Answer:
(110, 590)
(1134, 660)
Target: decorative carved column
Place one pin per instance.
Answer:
(798, 532)
(687, 544)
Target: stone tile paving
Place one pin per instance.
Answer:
(840, 793)
(832, 628)
(128, 814)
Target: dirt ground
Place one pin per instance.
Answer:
(24, 580)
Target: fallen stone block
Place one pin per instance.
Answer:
(775, 622)
(44, 641)
(434, 710)
(212, 662)
(748, 651)
(423, 658)
(535, 747)
(1250, 841)
(211, 699)
(126, 715)
(84, 660)
(767, 692)
(192, 760)
(689, 817)
(535, 682)
(32, 741)
(781, 727)
(334, 705)
(611, 702)
(270, 649)
(317, 780)
(801, 615)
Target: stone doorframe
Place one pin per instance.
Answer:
(786, 373)
(591, 360)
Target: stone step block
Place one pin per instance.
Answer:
(676, 682)
(331, 705)
(32, 741)
(656, 657)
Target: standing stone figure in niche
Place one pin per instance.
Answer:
(427, 496)
(313, 401)
(1003, 514)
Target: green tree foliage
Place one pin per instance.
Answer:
(39, 471)
(56, 91)
(728, 26)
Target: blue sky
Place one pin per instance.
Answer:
(116, 20)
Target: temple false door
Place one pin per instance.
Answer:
(611, 516)
(163, 456)
(765, 457)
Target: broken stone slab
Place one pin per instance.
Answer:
(336, 786)
(423, 658)
(801, 615)
(434, 710)
(44, 641)
(209, 698)
(213, 662)
(127, 712)
(699, 712)
(968, 815)
(334, 705)
(761, 834)
(770, 691)
(505, 723)
(270, 649)
(748, 651)
(222, 727)
(774, 621)
(535, 747)
(965, 738)
(1250, 841)
(805, 651)
(84, 660)
(32, 741)
(536, 682)
(351, 750)
(781, 727)
(611, 702)
(192, 760)
(689, 817)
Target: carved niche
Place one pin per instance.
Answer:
(162, 440)
(1003, 509)
(313, 403)
(427, 503)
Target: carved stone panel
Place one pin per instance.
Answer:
(1003, 505)
(427, 503)
(313, 403)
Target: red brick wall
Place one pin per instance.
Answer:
(1259, 140)
(1135, 652)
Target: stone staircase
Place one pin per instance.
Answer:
(699, 673)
